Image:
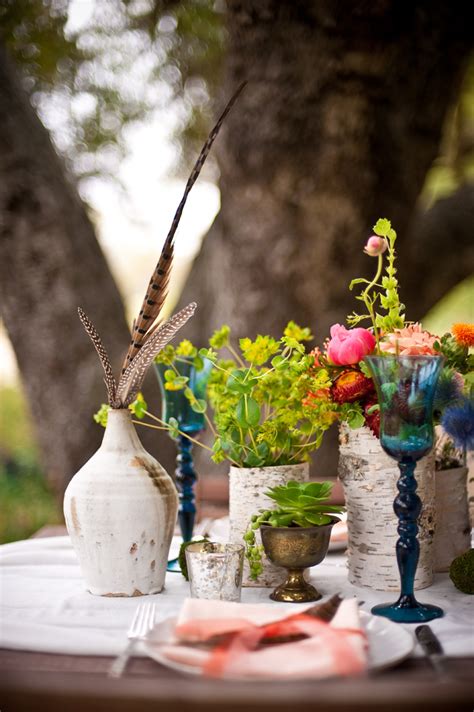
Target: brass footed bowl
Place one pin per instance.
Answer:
(296, 549)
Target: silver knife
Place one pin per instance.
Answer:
(432, 649)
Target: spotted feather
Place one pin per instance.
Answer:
(109, 379)
(131, 380)
(146, 322)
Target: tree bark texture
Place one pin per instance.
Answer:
(369, 479)
(50, 263)
(246, 497)
(453, 528)
(339, 123)
(470, 486)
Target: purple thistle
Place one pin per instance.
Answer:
(458, 423)
(449, 390)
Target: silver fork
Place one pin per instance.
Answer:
(142, 622)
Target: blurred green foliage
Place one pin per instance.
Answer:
(26, 501)
(26, 504)
(455, 163)
(16, 437)
(456, 306)
(94, 71)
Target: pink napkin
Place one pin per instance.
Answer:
(336, 648)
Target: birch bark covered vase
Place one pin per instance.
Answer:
(246, 497)
(120, 511)
(453, 529)
(369, 478)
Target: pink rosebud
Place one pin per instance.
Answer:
(375, 246)
(349, 346)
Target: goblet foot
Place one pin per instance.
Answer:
(295, 589)
(173, 566)
(408, 610)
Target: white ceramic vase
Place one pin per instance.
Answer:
(246, 497)
(453, 529)
(120, 511)
(369, 479)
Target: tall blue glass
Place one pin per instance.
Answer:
(405, 387)
(176, 405)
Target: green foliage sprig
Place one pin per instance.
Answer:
(381, 293)
(258, 395)
(456, 356)
(258, 392)
(138, 408)
(299, 505)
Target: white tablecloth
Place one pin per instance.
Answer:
(45, 607)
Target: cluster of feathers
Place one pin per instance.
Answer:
(149, 333)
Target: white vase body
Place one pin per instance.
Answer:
(369, 479)
(453, 529)
(246, 497)
(120, 511)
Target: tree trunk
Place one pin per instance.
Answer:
(339, 123)
(50, 262)
(453, 528)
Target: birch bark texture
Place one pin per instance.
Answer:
(369, 479)
(453, 529)
(120, 511)
(246, 497)
(470, 486)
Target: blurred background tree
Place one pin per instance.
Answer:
(352, 111)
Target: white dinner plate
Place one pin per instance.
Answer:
(389, 643)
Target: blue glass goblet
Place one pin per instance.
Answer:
(176, 405)
(405, 388)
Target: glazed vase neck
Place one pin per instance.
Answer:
(120, 433)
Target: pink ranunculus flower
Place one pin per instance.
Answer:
(412, 340)
(375, 246)
(349, 346)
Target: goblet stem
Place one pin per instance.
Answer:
(185, 480)
(185, 476)
(295, 589)
(405, 390)
(407, 507)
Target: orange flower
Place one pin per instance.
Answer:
(313, 396)
(351, 386)
(316, 353)
(464, 334)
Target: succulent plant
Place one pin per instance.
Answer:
(300, 504)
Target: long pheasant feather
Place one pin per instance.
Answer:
(132, 379)
(157, 290)
(103, 355)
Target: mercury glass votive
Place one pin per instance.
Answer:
(215, 570)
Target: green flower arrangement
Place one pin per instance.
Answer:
(257, 392)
